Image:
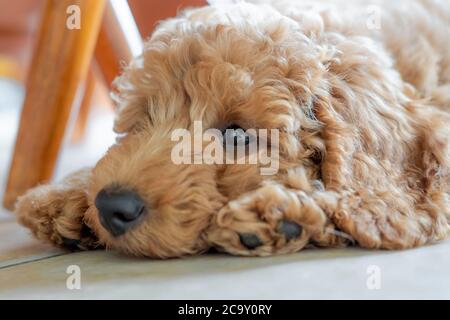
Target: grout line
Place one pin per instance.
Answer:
(21, 262)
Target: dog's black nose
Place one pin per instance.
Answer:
(118, 209)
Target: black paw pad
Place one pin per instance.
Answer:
(250, 240)
(291, 230)
(71, 244)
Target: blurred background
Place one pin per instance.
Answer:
(88, 131)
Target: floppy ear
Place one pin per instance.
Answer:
(129, 117)
(387, 156)
(130, 98)
(149, 90)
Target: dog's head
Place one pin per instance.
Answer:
(241, 66)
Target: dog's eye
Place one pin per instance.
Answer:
(235, 135)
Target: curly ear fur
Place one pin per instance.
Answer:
(387, 156)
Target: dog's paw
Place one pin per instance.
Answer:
(288, 229)
(271, 220)
(55, 214)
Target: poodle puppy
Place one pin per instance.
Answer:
(359, 93)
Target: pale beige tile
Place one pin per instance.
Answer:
(418, 273)
(17, 246)
(6, 215)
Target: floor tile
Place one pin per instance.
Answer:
(17, 246)
(342, 273)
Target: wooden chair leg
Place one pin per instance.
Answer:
(114, 44)
(113, 48)
(60, 61)
(148, 13)
(86, 103)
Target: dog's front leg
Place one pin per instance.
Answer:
(390, 220)
(55, 213)
(275, 219)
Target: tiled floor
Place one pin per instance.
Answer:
(29, 269)
(32, 270)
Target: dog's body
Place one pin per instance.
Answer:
(359, 93)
